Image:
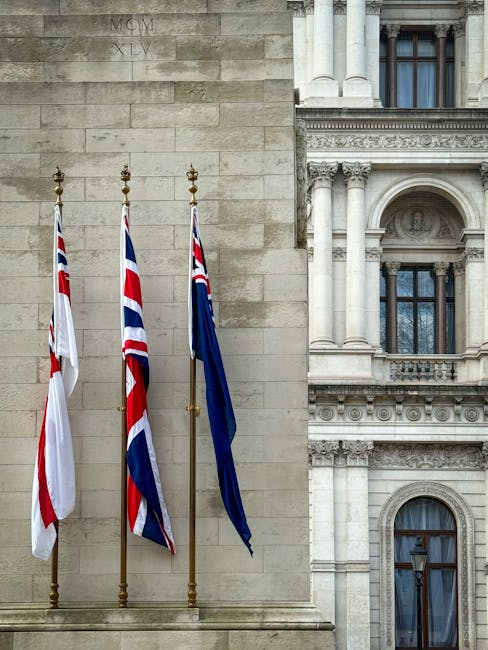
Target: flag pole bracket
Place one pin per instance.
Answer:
(193, 408)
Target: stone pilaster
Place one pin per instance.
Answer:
(322, 176)
(357, 455)
(474, 50)
(373, 10)
(484, 181)
(299, 46)
(356, 175)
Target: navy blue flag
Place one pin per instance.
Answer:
(204, 346)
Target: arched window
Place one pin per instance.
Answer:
(434, 523)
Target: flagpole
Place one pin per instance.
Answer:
(193, 410)
(124, 177)
(58, 177)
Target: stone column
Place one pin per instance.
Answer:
(441, 35)
(324, 83)
(356, 83)
(356, 175)
(474, 50)
(357, 455)
(373, 260)
(340, 40)
(392, 33)
(299, 46)
(392, 269)
(484, 84)
(309, 20)
(322, 176)
(440, 269)
(460, 302)
(459, 65)
(373, 10)
(323, 43)
(474, 271)
(321, 455)
(484, 181)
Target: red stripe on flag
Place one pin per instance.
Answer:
(61, 244)
(132, 286)
(136, 399)
(63, 283)
(133, 501)
(45, 504)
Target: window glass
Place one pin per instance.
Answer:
(442, 548)
(450, 84)
(426, 44)
(404, 44)
(405, 283)
(421, 513)
(442, 608)
(405, 85)
(426, 284)
(426, 85)
(383, 82)
(383, 325)
(426, 328)
(405, 328)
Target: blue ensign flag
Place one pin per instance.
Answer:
(204, 346)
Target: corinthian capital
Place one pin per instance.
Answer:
(356, 173)
(297, 7)
(322, 174)
(321, 453)
(441, 30)
(474, 6)
(373, 7)
(392, 30)
(357, 452)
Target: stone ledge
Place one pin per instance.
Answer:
(76, 617)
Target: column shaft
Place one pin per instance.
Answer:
(391, 333)
(392, 32)
(355, 40)
(484, 180)
(441, 33)
(322, 175)
(356, 175)
(323, 46)
(440, 306)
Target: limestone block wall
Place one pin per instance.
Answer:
(90, 85)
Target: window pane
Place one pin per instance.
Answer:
(405, 283)
(442, 608)
(450, 46)
(449, 84)
(405, 328)
(383, 325)
(383, 46)
(426, 284)
(441, 548)
(405, 85)
(383, 82)
(426, 328)
(449, 285)
(426, 85)
(405, 609)
(404, 44)
(426, 44)
(403, 545)
(424, 514)
(451, 328)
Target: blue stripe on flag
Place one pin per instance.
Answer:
(132, 318)
(129, 249)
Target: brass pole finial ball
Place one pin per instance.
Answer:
(58, 177)
(192, 176)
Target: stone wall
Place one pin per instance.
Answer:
(90, 85)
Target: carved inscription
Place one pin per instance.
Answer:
(132, 26)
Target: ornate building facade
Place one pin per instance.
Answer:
(392, 100)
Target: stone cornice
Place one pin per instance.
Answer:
(384, 119)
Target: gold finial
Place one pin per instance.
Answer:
(192, 176)
(125, 177)
(58, 177)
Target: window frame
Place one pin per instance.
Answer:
(390, 338)
(387, 89)
(424, 534)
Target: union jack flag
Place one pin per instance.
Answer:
(204, 346)
(53, 490)
(146, 508)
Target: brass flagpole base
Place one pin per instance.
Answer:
(54, 594)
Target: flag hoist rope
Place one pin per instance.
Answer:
(58, 177)
(193, 410)
(124, 177)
